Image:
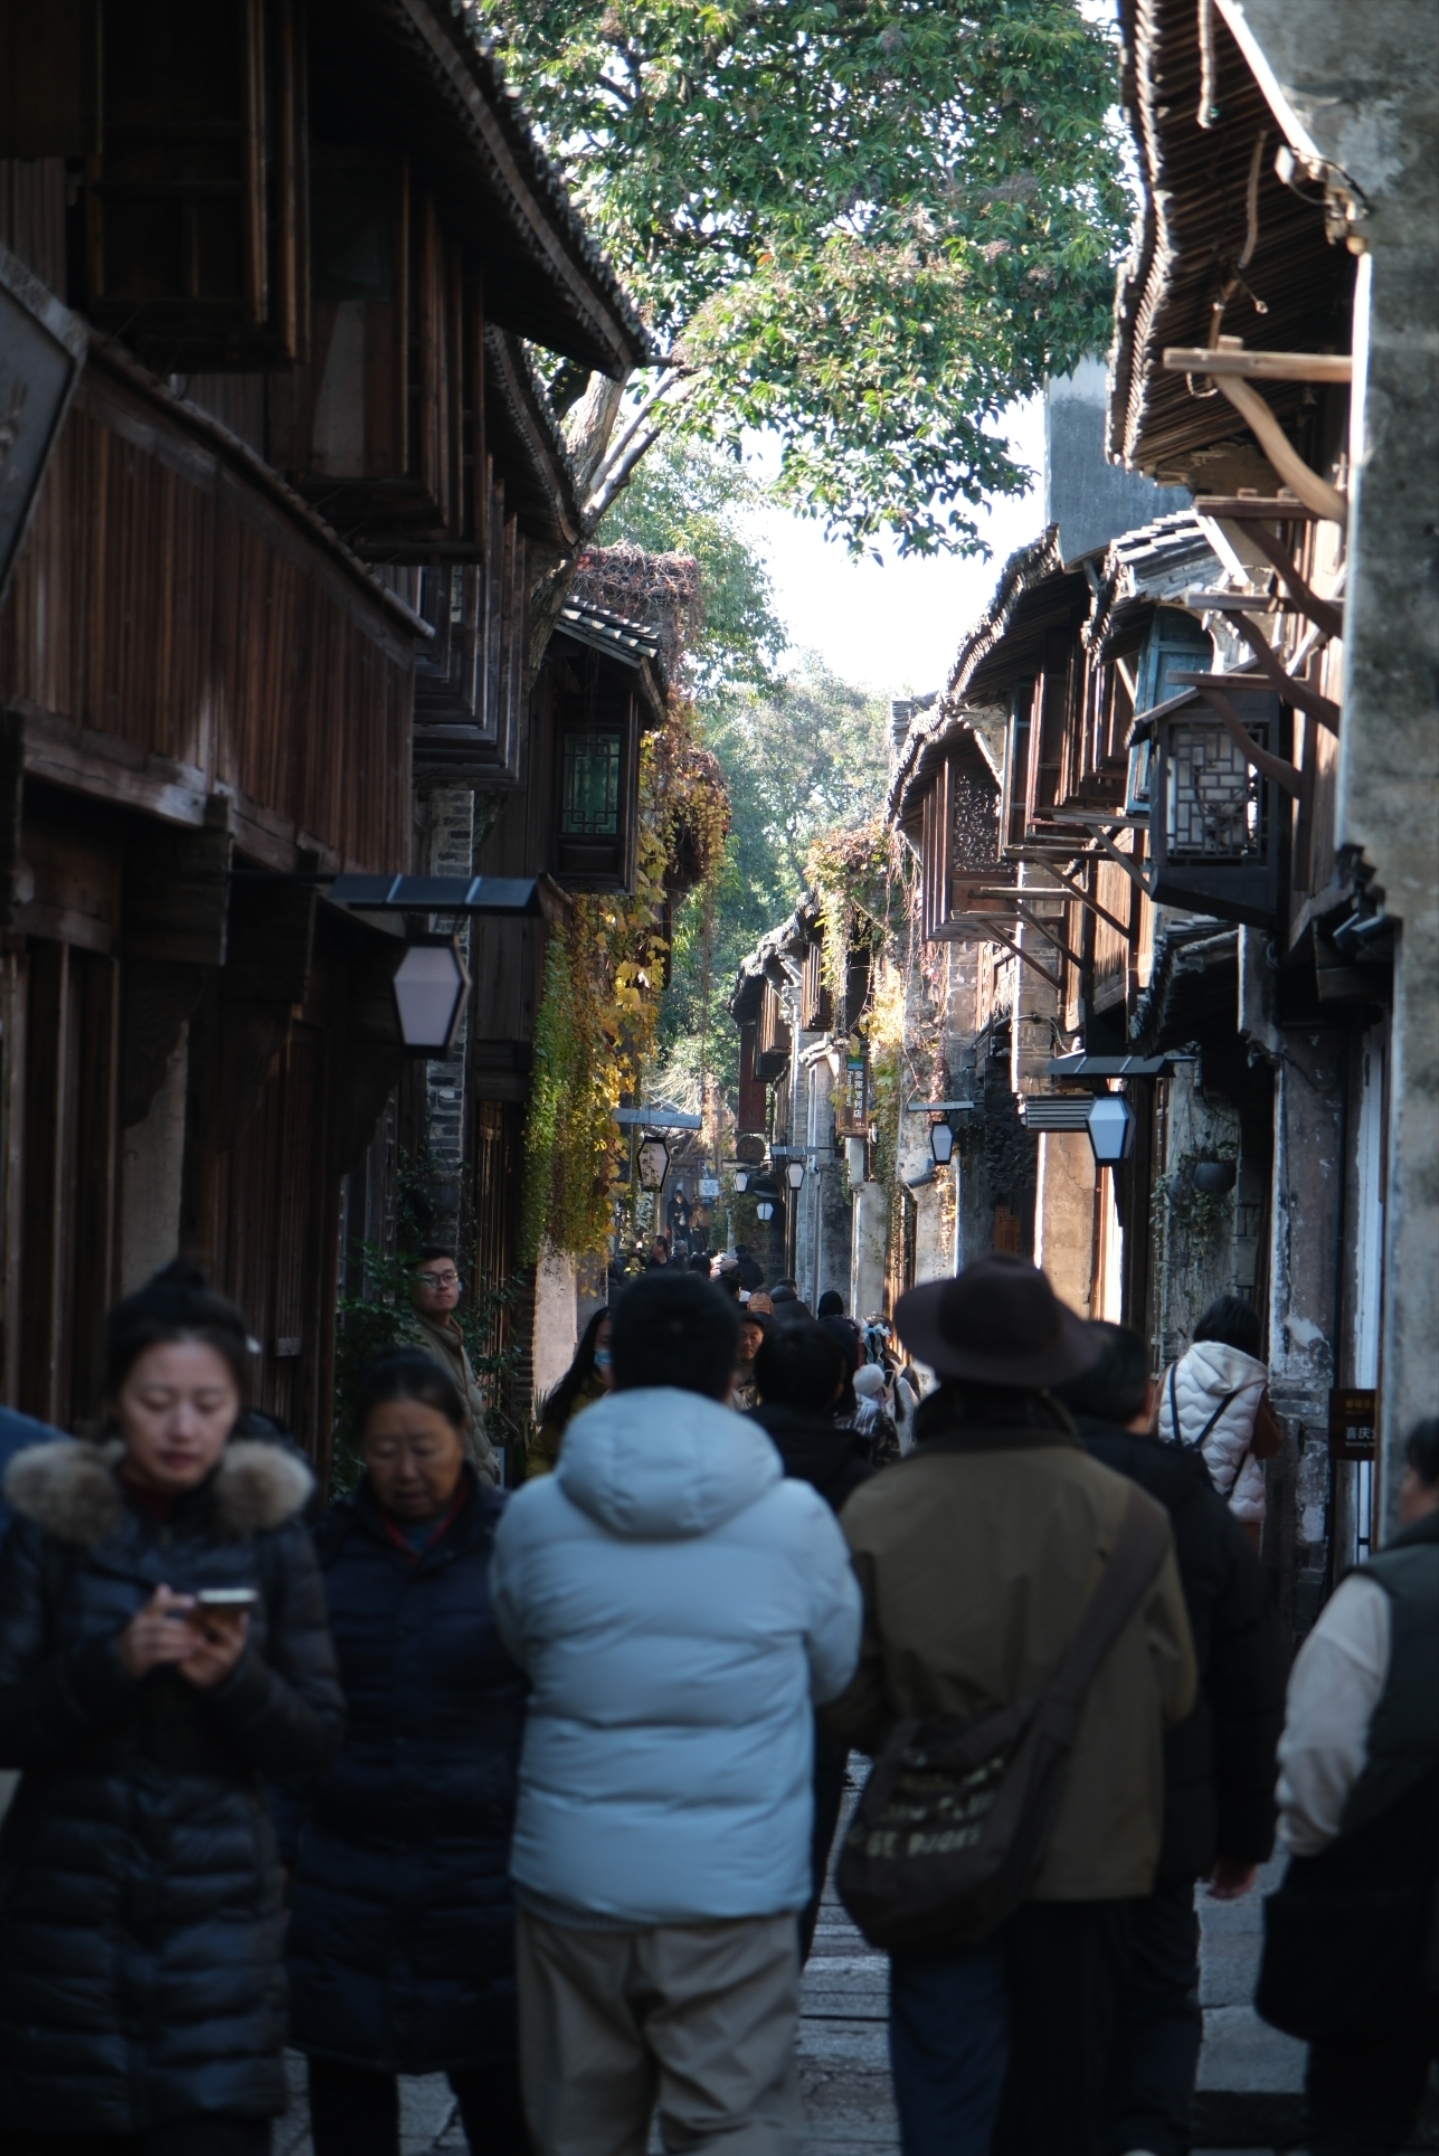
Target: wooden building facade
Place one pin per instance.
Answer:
(265, 556)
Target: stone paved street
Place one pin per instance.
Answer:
(1249, 2077)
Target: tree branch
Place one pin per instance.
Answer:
(594, 420)
(597, 503)
(600, 471)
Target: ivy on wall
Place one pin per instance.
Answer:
(604, 974)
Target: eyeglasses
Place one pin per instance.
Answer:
(450, 1279)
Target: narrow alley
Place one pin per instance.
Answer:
(719, 1078)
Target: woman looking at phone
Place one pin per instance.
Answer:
(401, 1938)
(163, 1650)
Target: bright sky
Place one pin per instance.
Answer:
(895, 626)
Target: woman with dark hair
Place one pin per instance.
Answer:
(401, 1947)
(163, 1650)
(588, 1379)
(1215, 1400)
(846, 1339)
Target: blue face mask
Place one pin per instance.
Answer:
(602, 1359)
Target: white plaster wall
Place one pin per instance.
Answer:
(1064, 1216)
(555, 1318)
(867, 1270)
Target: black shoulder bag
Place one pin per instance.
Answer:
(957, 1815)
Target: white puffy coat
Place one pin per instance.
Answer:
(678, 1605)
(1196, 1385)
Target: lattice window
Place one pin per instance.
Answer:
(1214, 804)
(591, 788)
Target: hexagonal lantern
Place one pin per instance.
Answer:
(432, 986)
(654, 1163)
(1111, 1129)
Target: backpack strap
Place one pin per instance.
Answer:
(1195, 1444)
(1136, 1557)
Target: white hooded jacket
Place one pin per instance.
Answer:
(678, 1605)
(1217, 1388)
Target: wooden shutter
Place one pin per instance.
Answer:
(195, 238)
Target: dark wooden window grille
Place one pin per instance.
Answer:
(1215, 829)
(590, 784)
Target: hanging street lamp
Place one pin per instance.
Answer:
(794, 1174)
(741, 1180)
(765, 1209)
(941, 1143)
(1111, 1129)
(431, 986)
(653, 1160)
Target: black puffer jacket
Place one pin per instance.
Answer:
(401, 1942)
(140, 1915)
(834, 1461)
(1219, 1762)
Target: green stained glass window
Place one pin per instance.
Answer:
(590, 793)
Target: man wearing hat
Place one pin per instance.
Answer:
(976, 1556)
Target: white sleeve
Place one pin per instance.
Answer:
(1334, 1687)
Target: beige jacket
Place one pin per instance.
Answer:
(444, 1343)
(976, 1556)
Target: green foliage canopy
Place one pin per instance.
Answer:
(868, 225)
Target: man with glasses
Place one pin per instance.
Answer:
(436, 1291)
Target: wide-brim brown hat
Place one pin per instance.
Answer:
(999, 1323)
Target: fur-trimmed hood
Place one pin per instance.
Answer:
(71, 1488)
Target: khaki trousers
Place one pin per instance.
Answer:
(697, 2021)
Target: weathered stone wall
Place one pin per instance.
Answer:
(1357, 91)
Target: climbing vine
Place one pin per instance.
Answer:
(855, 874)
(604, 973)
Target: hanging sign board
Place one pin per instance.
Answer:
(42, 349)
(1353, 1422)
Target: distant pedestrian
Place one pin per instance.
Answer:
(401, 1940)
(788, 1308)
(799, 1374)
(845, 1335)
(1215, 1400)
(659, 1253)
(752, 1331)
(751, 1272)
(760, 1305)
(436, 1292)
(586, 1380)
(677, 1605)
(1219, 1762)
(978, 1556)
(163, 1650)
(1351, 1953)
(830, 1304)
(873, 1421)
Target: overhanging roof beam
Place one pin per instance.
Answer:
(993, 933)
(1320, 707)
(1043, 928)
(1324, 613)
(1072, 883)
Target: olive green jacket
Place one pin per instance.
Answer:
(976, 1556)
(444, 1343)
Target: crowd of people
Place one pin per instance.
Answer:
(539, 1788)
